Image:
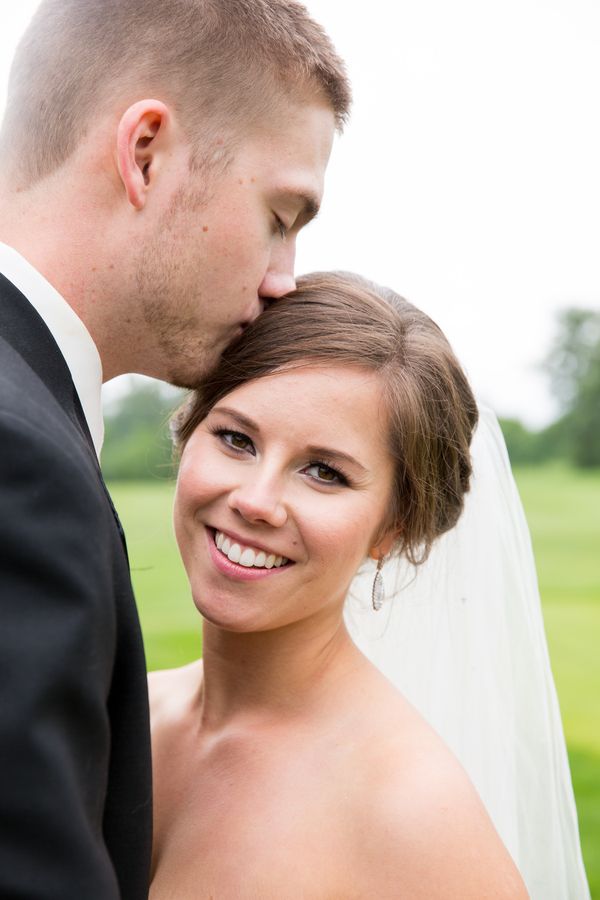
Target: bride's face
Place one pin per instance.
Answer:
(281, 494)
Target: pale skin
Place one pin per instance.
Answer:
(285, 764)
(163, 263)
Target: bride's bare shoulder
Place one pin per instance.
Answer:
(423, 825)
(172, 690)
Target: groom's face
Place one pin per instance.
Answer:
(216, 257)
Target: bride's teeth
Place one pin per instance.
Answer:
(234, 553)
(247, 558)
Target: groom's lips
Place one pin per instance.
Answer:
(241, 326)
(261, 306)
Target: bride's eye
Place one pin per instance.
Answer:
(235, 440)
(324, 474)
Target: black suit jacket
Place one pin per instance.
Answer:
(75, 774)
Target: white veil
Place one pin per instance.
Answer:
(463, 639)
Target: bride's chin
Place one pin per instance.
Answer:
(234, 626)
(223, 616)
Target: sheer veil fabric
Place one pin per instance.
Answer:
(463, 639)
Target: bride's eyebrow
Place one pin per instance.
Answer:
(242, 420)
(335, 455)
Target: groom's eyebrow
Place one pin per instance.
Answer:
(308, 203)
(310, 207)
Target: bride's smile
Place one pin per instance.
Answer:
(247, 556)
(238, 559)
(271, 487)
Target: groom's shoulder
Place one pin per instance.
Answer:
(43, 464)
(16, 377)
(23, 394)
(32, 418)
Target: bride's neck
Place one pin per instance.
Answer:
(270, 674)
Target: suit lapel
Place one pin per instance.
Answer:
(25, 330)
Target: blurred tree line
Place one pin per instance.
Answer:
(137, 443)
(573, 368)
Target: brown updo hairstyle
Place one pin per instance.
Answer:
(337, 318)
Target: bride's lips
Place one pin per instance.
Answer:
(235, 570)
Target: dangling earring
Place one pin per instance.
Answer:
(378, 589)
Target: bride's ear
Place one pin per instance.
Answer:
(383, 547)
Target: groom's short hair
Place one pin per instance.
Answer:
(221, 65)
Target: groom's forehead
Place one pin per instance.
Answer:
(292, 145)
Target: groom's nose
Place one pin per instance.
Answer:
(279, 277)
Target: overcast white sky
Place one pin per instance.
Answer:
(469, 176)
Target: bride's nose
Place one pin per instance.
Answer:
(259, 500)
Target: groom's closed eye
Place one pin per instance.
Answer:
(303, 206)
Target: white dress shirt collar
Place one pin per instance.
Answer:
(74, 340)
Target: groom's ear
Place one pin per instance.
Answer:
(142, 142)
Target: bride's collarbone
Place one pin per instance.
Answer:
(293, 776)
(321, 752)
(290, 800)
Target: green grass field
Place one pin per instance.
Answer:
(563, 508)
